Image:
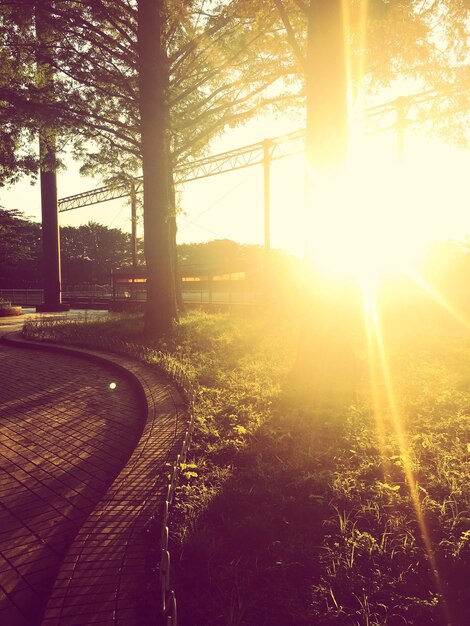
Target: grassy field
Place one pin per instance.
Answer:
(293, 512)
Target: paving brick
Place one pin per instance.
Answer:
(66, 437)
(48, 484)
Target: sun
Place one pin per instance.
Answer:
(378, 215)
(362, 225)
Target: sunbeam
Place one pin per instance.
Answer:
(380, 372)
(439, 298)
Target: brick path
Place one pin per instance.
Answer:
(73, 527)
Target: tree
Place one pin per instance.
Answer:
(48, 161)
(90, 252)
(220, 256)
(20, 250)
(325, 362)
(208, 50)
(161, 309)
(203, 55)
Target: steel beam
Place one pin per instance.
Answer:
(281, 146)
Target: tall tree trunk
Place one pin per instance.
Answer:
(161, 311)
(50, 236)
(326, 86)
(325, 362)
(48, 167)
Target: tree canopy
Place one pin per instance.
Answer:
(216, 57)
(226, 61)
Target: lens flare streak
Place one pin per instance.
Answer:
(380, 371)
(437, 296)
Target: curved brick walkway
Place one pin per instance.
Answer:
(73, 528)
(64, 436)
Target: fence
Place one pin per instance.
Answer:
(23, 297)
(93, 299)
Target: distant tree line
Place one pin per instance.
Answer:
(91, 251)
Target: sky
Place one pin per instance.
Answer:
(231, 205)
(224, 206)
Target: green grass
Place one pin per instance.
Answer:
(289, 514)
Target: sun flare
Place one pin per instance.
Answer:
(378, 215)
(362, 225)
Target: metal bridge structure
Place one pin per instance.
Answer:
(261, 153)
(246, 156)
(395, 115)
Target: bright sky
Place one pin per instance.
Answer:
(231, 205)
(225, 206)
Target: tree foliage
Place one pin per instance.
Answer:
(219, 256)
(18, 109)
(20, 250)
(92, 251)
(221, 59)
(422, 42)
(89, 252)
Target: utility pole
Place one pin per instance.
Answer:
(267, 147)
(133, 225)
(400, 126)
(133, 236)
(267, 194)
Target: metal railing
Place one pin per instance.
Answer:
(23, 297)
(33, 297)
